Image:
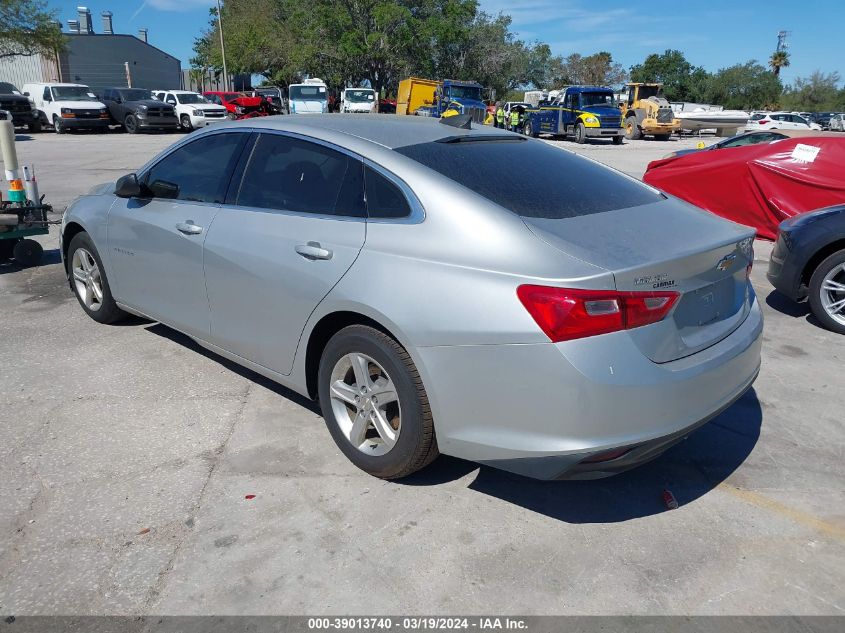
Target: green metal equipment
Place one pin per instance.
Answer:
(23, 214)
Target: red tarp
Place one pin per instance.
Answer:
(758, 185)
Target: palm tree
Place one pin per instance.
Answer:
(778, 60)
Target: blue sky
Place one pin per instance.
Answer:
(711, 33)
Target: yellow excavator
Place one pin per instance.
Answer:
(646, 112)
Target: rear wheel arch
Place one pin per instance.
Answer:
(321, 334)
(818, 257)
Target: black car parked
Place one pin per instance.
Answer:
(20, 107)
(808, 263)
(136, 110)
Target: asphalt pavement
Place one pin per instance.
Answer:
(140, 474)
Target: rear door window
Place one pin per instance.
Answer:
(531, 178)
(384, 198)
(198, 171)
(292, 174)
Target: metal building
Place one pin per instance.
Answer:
(98, 60)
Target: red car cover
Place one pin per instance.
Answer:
(758, 185)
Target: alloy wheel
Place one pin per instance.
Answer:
(87, 279)
(833, 293)
(365, 404)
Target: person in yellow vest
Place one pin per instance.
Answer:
(515, 120)
(500, 115)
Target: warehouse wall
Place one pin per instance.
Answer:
(98, 61)
(21, 69)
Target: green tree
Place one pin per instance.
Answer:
(28, 27)
(747, 86)
(817, 93)
(681, 80)
(778, 60)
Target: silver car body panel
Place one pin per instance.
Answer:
(443, 282)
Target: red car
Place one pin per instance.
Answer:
(758, 185)
(239, 105)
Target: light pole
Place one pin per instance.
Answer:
(222, 47)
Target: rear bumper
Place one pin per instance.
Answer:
(784, 272)
(540, 410)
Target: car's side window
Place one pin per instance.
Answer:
(292, 174)
(198, 171)
(46, 95)
(384, 199)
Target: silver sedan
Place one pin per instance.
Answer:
(470, 292)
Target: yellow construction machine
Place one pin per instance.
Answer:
(646, 112)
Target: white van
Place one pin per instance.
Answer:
(358, 100)
(309, 97)
(68, 106)
(192, 109)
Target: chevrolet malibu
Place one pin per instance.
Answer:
(564, 321)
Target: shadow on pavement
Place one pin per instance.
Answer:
(186, 341)
(689, 469)
(51, 256)
(784, 305)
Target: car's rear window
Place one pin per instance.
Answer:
(531, 178)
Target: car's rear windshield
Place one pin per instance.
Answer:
(531, 178)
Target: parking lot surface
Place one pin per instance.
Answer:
(129, 457)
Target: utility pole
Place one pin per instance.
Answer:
(128, 75)
(222, 47)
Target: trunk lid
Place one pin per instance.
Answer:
(666, 246)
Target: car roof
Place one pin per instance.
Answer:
(386, 130)
(800, 133)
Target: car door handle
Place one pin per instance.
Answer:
(313, 250)
(189, 228)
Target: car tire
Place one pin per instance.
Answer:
(185, 122)
(617, 140)
(58, 128)
(822, 296)
(632, 130)
(528, 130)
(408, 442)
(34, 127)
(27, 253)
(130, 124)
(82, 256)
(580, 133)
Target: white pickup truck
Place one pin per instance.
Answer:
(192, 109)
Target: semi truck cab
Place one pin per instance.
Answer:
(580, 112)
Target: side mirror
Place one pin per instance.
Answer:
(127, 186)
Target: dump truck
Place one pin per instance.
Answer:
(646, 112)
(581, 112)
(427, 97)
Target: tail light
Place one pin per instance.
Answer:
(763, 121)
(570, 313)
